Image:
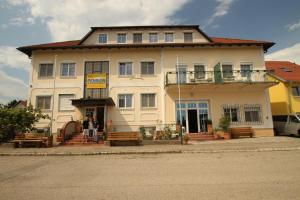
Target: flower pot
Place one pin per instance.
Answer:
(209, 129)
(227, 136)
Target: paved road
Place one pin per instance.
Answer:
(239, 175)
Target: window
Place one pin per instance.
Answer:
(188, 37)
(46, 70)
(227, 71)
(153, 37)
(252, 113)
(121, 38)
(296, 91)
(147, 68)
(67, 70)
(125, 68)
(125, 100)
(169, 37)
(65, 102)
(43, 102)
(231, 113)
(246, 70)
(199, 71)
(137, 38)
(102, 38)
(148, 100)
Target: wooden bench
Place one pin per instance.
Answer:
(114, 137)
(241, 131)
(30, 139)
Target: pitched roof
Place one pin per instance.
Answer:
(213, 41)
(285, 70)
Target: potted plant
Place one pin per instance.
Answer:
(186, 139)
(216, 133)
(224, 124)
(209, 126)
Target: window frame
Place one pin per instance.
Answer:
(259, 112)
(230, 113)
(232, 70)
(157, 37)
(244, 71)
(43, 96)
(125, 75)
(148, 107)
(59, 102)
(68, 76)
(125, 102)
(166, 37)
(192, 38)
(141, 64)
(142, 37)
(297, 91)
(118, 34)
(197, 65)
(100, 36)
(46, 77)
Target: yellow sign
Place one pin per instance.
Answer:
(95, 81)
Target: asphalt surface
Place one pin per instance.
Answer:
(233, 175)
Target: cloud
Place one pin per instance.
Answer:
(219, 11)
(67, 20)
(11, 88)
(21, 21)
(10, 57)
(293, 27)
(289, 54)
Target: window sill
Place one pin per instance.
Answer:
(126, 76)
(46, 78)
(148, 75)
(66, 110)
(148, 108)
(126, 109)
(68, 77)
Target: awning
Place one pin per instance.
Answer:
(93, 102)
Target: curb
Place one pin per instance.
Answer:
(150, 152)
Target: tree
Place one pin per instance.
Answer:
(18, 120)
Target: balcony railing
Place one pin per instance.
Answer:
(191, 77)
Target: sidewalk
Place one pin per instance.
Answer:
(220, 146)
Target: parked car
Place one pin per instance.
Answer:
(287, 124)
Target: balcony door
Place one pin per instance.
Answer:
(96, 67)
(181, 72)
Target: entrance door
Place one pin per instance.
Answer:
(100, 118)
(193, 121)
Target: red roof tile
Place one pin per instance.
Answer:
(236, 41)
(284, 69)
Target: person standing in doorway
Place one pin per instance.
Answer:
(85, 126)
(96, 127)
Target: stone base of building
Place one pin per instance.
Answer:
(263, 132)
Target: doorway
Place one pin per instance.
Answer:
(193, 122)
(100, 118)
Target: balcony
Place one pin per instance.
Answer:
(214, 79)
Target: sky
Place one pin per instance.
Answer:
(27, 22)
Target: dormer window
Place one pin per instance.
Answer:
(137, 38)
(153, 37)
(103, 38)
(121, 38)
(188, 37)
(169, 37)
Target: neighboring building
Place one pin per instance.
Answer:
(21, 104)
(284, 97)
(131, 75)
